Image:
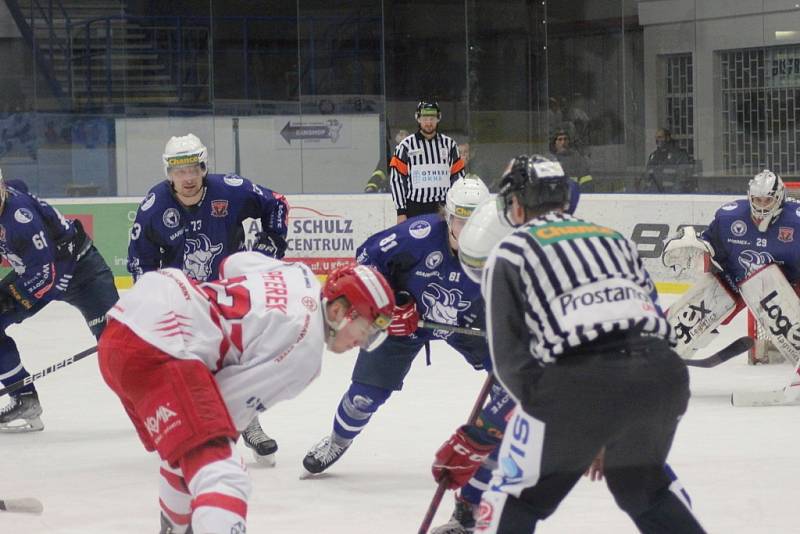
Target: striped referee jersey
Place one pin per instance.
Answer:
(422, 170)
(559, 282)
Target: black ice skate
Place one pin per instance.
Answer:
(461, 522)
(22, 414)
(167, 527)
(263, 446)
(323, 455)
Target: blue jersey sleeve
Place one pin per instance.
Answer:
(262, 203)
(395, 250)
(145, 245)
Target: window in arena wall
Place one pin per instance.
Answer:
(760, 109)
(679, 100)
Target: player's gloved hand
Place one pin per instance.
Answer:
(458, 458)
(270, 244)
(405, 316)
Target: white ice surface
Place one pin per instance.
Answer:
(740, 465)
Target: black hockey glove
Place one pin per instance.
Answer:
(7, 303)
(270, 244)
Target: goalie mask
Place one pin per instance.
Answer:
(462, 198)
(369, 296)
(537, 183)
(185, 151)
(485, 228)
(766, 194)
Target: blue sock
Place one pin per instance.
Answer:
(355, 410)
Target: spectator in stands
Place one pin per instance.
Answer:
(573, 162)
(669, 167)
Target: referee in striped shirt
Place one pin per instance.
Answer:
(424, 166)
(578, 339)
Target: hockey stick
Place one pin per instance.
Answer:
(466, 330)
(47, 370)
(734, 348)
(27, 505)
(442, 487)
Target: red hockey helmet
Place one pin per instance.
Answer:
(369, 296)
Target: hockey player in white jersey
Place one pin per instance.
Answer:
(193, 363)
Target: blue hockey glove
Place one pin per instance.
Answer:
(270, 244)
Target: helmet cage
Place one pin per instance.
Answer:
(766, 184)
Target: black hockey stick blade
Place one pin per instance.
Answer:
(47, 370)
(736, 347)
(22, 506)
(466, 330)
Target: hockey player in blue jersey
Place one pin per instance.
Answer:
(52, 259)
(193, 220)
(419, 259)
(751, 257)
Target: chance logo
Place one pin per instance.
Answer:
(559, 231)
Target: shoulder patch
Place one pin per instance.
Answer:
(234, 180)
(561, 230)
(23, 215)
(419, 229)
(148, 202)
(730, 206)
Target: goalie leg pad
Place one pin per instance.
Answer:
(775, 305)
(699, 311)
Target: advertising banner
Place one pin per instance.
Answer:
(325, 230)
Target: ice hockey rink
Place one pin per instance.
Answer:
(92, 475)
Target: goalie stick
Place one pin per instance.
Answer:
(734, 348)
(442, 487)
(27, 505)
(47, 370)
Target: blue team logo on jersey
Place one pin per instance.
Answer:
(739, 228)
(752, 260)
(443, 306)
(419, 229)
(232, 179)
(729, 207)
(198, 257)
(434, 259)
(171, 218)
(23, 215)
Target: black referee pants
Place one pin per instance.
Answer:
(625, 396)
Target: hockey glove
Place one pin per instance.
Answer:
(270, 244)
(458, 459)
(405, 316)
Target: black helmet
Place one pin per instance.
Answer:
(537, 181)
(427, 108)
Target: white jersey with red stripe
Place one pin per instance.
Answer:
(259, 328)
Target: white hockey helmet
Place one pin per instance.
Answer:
(766, 194)
(464, 196)
(184, 151)
(485, 228)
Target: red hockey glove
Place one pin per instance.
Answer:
(458, 459)
(404, 316)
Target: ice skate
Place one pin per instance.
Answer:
(22, 414)
(263, 446)
(168, 527)
(323, 455)
(461, 522)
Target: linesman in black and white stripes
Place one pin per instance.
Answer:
(424, 166)
(577, 337)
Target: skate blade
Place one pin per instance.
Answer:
(267, 460)
(22, 506)
(19, 426)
